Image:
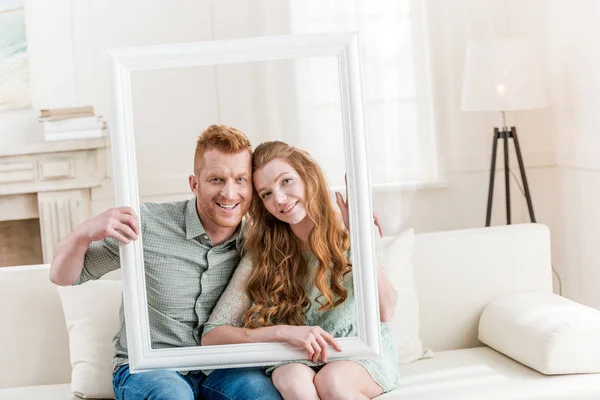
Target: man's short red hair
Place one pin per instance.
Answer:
(223, 138)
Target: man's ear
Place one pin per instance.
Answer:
(193, 183)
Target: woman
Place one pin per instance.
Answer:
(294, 283)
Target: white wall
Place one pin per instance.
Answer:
(67, 40)
(573, 61)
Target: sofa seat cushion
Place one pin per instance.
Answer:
(42, 392)
(483, 373)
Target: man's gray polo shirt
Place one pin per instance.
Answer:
(185, 274)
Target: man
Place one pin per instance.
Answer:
(191, 249)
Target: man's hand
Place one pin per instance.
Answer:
(119, 223)
(69, 256)
(313, 339)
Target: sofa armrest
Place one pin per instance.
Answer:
(544, 331)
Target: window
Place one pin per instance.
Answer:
(396, 85)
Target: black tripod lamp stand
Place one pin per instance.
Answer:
(503, 75)
(505, 134)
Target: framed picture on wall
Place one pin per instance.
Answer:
(14, 67)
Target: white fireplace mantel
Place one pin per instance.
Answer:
(51, 181)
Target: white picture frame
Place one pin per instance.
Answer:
(122, 63)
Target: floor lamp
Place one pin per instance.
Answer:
(503, 75)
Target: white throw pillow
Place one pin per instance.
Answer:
(544, 331)
(397, 262)
(92, 316)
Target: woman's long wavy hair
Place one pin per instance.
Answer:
(276, 284)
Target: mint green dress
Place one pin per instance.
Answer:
(339, 321)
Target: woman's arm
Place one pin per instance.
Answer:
(385, 290)
(387, 295)
(224, 324)
(229, 334)
(313, 339)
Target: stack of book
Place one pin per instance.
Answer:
(71, 123)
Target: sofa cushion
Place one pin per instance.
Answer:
(397, 261)
(458, 273)
(483, 373)
(33, 337)
(92, 316)
(544, 331)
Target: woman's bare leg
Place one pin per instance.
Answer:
(345, 380)
(295, 381)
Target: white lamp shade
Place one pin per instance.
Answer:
(502, 75)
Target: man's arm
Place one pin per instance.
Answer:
(119, 223)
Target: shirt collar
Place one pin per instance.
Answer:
(194, 228)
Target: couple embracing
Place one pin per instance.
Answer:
(258, 255)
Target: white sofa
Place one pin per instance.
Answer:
(457, 274)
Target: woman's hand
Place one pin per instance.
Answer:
(343, 205)
(313, 339)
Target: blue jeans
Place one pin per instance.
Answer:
(239, 384)
(157, 385)
(223, 384)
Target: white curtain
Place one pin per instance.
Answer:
(396, 87)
